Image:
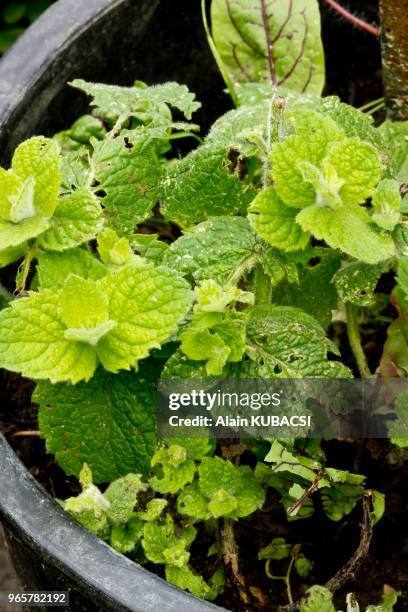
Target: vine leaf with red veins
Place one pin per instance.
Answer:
(267, 41)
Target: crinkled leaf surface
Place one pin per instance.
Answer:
(285, 341)
(232, 491)
(317, 599)
(200, 186)
(53, 268)
(276, 223)
(77, 219)
(32, 341)
(118, 320)
(128, 170)
(356, 282)
(213, 249)
(108, 423)
(262, 40)
(348, 229)
(148, 304)
(39, 158)
(112, 100)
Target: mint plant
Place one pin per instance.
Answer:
(288, 215)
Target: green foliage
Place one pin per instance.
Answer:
(136, 264)
(270, 42)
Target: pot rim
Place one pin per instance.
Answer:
(26, 509)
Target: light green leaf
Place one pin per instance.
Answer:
(193, 503)
(154, 509)
(200, 186)
(349, 230)
(108, 423)
(214, 249)
(77, 219)
(124, 538)
(387, 204)
(185, 578)
(357, 166)
(122, 495)
(12, 254)
(128, 171)
(313, 138)
(15, 234)
(269, 41)
(211, 297)
(32, 341)
(113, 101)
(148, 304)
(175, 469)
(317, 599)
(54, 268)
(221, 482)
(276, 223)
(114, 251)
(39, 158)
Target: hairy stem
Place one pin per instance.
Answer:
(394, 42)
(263, 288)
(359, 23)
(355, 340)
(217, 57)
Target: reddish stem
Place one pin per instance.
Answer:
(363, 25)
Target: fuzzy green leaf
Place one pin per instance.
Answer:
(32, 341)
(61, 335)
(54, 268)
(213, 249)
(276, 223)
(128, 171)
(348, 229)
(387, 204)
(113, 101)
(269, 41)
(148, 304)
(356, 282)
(313, 138)
(108, 423)
(38, 158)
(122, 495)
(231, 491)
(200, 186)
(285, 341)
(317, 599)
(77, 219)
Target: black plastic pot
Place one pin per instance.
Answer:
(113, 41)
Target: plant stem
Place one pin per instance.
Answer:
(359, 23)
(263, 288)
(394, 42)
(369, 105)
(217, 57)
(355, 340)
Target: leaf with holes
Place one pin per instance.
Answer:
(128, 172)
